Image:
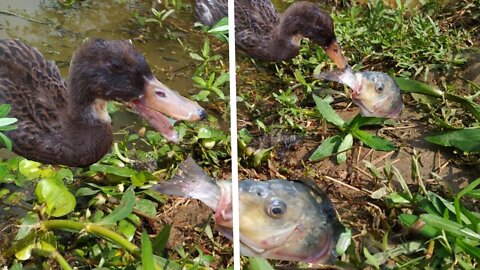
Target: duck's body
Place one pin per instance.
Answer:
(66, 122)
(263, 33)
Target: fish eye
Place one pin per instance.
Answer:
(276, 209)
(379, 87)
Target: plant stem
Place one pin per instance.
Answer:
(54, 255)
(76, 226)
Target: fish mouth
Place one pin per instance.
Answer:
(158, 101)
(258, 250)
(377, 110)
(324, 254)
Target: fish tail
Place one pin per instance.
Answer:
(190, 182)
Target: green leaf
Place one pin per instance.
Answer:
(327, 148)
(344, 145)
(147, 254)
(160, 241)
(344, 242)
(120, 171)
(127, 229)
(413, 86)
(56, 196)
(85, 191)
(6, 141)
(413, 222)
(123, 210)
(373, 141)
(449, 226)
(146, 206)
(371, 260)
(26, 225)
(359, 121)
(5, 109)
(473, 251)
(255, 263)
(467, 140)
(328, 112)
(7, 121)
(463, 192)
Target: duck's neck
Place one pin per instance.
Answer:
(89, 128)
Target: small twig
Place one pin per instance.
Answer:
(21, 17)
(343, 184)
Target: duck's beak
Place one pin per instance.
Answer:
(158, 100)
(335, 53)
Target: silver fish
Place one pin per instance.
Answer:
(376, 93)
(279, 219)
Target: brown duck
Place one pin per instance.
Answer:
(263, 33)
(66, 122)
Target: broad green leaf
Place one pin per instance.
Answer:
(85, 191)
(373, 141)
(360, 120)
(127, 229)
(146, 206)
(344, 145)
(328, 112)
(7, 121)
(147, 254)
(119, 171)
(160, 241)
(123, 210)
(327, 148)
(467, 140)
(413, 86)
(344, 242)
(56, 196)
(26, 225)
(255, 263)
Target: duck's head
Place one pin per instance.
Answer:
(308, 20)
(114, 70)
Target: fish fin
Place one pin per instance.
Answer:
(190, 182)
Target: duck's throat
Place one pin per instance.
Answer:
(99, 111)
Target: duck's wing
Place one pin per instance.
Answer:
(209, 12)
(36, 91)
(254, 23)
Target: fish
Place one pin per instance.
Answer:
(279, 219)
(376, 93)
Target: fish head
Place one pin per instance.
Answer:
(285, 220)
(378, 95)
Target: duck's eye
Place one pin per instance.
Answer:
(117, 68)
(276, 209)
(379, 87)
